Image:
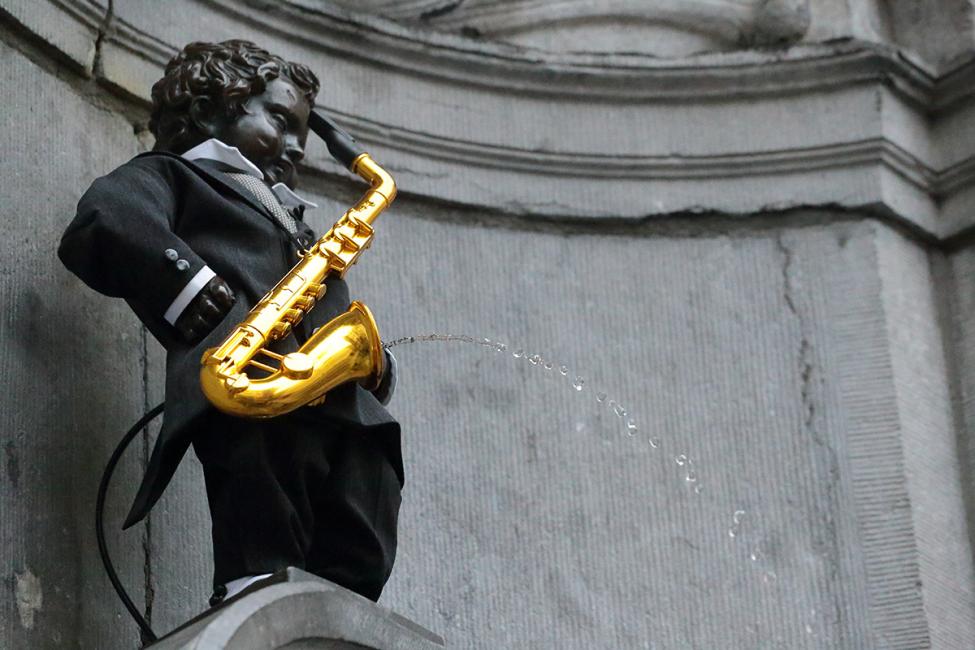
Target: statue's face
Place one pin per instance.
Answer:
(271, 132)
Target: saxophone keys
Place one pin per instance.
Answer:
(315, 290)
(297, 365)
(238, 383)
(280, 330)
(347, 242)
(292, 315)
(304, 303)
(362, 228)
(207, 358)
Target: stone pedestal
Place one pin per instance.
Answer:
(301, 611)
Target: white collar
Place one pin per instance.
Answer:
(214, 149)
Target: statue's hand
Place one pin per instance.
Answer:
(206, 310)
(384, 392)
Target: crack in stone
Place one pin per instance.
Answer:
(104, 28)
(83, 77)
(150, 592)
(443, 10)
(13, 463)
(805, 347)
(829, 540)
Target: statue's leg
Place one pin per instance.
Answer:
(354, 539)
(259, 474)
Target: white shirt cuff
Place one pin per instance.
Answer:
(234, 587)
(188, 293)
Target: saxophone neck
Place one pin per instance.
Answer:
(350, 153)
(380, 182)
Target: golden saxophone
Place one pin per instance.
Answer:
(347, 348)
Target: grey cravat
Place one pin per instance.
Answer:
(264, 194)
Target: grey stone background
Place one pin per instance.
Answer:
(752, 236)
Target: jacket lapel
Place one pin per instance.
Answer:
(213, 172)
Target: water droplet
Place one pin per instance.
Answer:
(681, 460)
(519, 353)
(578, 382)
(698, 488)
(619, 410)
(809, 629)
(631, 426)
(736, 523)
(487, 342)
(500, 347)
(600, 397)
(412, 339)
(534, 359)
(691, 477)
(755, 555)
(563, 370)
(549, 365)
(654, 442)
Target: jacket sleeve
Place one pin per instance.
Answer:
(121, 242)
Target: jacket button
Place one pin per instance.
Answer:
(171, 254)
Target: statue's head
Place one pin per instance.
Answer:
(240, 94)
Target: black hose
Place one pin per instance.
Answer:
(147, 633)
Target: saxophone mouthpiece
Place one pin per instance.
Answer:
(341, 145)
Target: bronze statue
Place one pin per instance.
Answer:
(194, 235)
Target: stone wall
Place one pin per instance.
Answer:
(759, 248)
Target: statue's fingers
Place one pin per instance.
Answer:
(198, 326)
(183, 331)
(188, 332)
(210, 312)
(222, 294)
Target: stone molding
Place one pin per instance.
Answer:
(589, 136)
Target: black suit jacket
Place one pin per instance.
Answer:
(116, 244)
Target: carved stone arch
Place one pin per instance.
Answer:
(662, 28)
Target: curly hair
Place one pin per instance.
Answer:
(226, 73)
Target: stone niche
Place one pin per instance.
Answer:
(743, 247)
(661, 28)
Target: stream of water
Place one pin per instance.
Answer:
(576, 382)
(630, 426)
